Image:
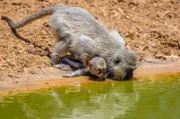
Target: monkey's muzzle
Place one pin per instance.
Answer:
(128, 76)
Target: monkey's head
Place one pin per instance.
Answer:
(97, 66)
(123, 64)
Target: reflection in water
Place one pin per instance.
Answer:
(119, 100)
(103, 102)
(73, 88)
(96, 102)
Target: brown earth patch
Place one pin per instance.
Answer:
(150, 27)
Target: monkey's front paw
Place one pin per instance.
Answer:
(64, 67)
(67, 75)
(55, 60)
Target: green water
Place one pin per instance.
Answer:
(117, 100)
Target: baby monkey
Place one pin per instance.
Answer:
(96, 66)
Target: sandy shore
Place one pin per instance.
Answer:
(54, 78)
(150, 28)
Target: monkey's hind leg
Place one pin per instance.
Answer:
(73, 62)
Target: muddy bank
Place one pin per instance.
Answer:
(146, 71)
(151, 28)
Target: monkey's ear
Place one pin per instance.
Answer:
(117, 36)
(87, 43)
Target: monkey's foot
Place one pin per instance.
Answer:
(67, 75)
(64, 67)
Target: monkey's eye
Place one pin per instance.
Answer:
(117, 60)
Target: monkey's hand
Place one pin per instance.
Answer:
(55, 60)
(79, 72)
(100, 79)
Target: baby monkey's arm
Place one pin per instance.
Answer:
(96, 66)
(79, 72)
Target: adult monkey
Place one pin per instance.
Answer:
(74, 25)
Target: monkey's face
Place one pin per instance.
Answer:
(97, 67)
(123, 65)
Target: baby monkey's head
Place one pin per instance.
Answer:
(97, 66)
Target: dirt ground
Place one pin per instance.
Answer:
(150, 27)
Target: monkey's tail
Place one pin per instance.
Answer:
(31, 18)
(46, 52)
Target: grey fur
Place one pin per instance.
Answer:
(74, 26)
(117, 36)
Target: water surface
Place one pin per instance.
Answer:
(103, 100)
